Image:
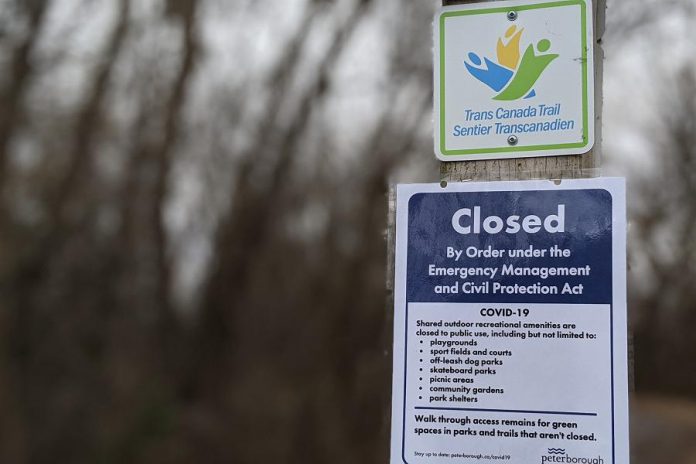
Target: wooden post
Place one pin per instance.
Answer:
(547, 167)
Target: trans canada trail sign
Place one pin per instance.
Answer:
(513, 79)
(510, 323)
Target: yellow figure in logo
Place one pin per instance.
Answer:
(509, 53)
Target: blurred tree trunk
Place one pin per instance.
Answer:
(20, 74)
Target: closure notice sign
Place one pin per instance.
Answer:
(510, 323)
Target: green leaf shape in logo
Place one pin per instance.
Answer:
(530, 68)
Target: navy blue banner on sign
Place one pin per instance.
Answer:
(588, 227)
(510, 323)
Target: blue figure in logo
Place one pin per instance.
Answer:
(493, 75)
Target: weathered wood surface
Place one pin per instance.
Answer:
(547, 167)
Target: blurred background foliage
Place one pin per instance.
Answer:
(193, 212)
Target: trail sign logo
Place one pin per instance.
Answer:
(514, 78)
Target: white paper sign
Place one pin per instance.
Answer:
(514, 79)
(510, 323)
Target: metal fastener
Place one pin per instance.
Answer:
(512, 15)
(512, 140)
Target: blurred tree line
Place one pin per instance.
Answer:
(193, 207)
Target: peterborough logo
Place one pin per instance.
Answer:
(512, 76)
(559, 455)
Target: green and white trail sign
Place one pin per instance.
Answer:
(514, 79)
